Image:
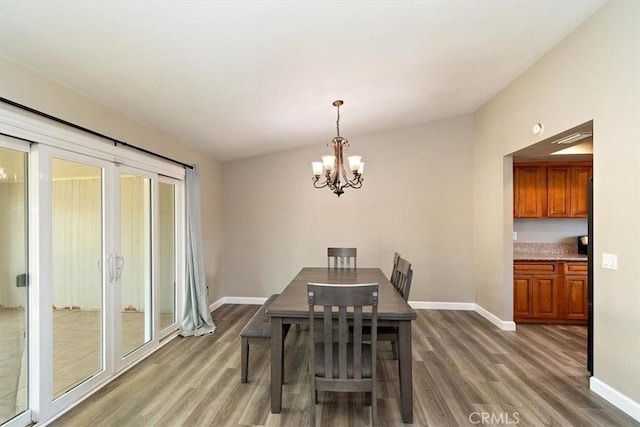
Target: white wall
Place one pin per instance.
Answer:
(594, 74)
(21, 85)
(549, 230)
(416, 200)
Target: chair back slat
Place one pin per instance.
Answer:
(394, 270)
(342, 257)
(328, 341)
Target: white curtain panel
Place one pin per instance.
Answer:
(197, 318)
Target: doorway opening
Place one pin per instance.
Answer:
(552, 263)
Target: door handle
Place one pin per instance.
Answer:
(119, 266)
(110, 265)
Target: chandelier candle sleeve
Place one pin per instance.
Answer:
(336, 177)
(317, 168)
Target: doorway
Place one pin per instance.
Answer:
(552, 267)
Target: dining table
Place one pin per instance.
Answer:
(291, 307)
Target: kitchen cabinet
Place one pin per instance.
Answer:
(551, 190)
(550, 292)
(575, 291)
(579, 183)
(530, 191)
(558, 191)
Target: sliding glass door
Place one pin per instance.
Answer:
(91, 243)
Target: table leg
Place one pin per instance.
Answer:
(276, 364)
(405, 371)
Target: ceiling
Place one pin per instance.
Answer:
(243, 78)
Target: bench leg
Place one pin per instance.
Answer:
(244, 359)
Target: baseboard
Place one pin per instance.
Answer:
(617, 399)
(420, 305)
(434, 305)
(235, 300)
(502, 324)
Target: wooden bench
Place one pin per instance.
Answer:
(256, 331)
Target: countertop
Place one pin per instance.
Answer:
(547, 252)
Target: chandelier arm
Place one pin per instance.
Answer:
(315, 183)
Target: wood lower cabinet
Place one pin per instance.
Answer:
(576, 293)
(550, 292)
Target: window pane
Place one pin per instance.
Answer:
(13, 290)
(167, 251)
(135, 279)
(77, 278)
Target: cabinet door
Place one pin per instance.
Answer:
(530, 183)
(522, 285)
(558, 191)
(544, 297)
(575, 297)
(579, 183)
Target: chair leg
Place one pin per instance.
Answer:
(374, 406)
(312, 402)
(394, 349)
(244, 359)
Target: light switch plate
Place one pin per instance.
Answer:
(610, 261)
(515, 235)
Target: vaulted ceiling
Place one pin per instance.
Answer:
(245, 78)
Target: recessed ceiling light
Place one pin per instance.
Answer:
(572, 138)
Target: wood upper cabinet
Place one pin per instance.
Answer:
(551, 190)
(530, 191)
(580, 176)
(558, 191)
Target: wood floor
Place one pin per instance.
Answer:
(464, 369)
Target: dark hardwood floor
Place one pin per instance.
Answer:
(466, 372)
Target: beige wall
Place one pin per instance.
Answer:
(25, 87)
(593, 74)
(416, 199)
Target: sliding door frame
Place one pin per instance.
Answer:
(46, 137)
(11, 143)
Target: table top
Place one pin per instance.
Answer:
(292, 302)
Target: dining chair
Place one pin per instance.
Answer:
(342, 257)
(403, 278)
(338, 363)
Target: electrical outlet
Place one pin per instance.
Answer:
(610, 261)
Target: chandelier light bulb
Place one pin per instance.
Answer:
(337, 178)
(354, 163)
(317, 168)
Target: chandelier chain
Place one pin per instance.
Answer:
(338, 121)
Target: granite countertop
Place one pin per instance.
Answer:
(547, 252)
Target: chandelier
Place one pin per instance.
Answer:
(336, 176)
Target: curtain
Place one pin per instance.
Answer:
(196, 319)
